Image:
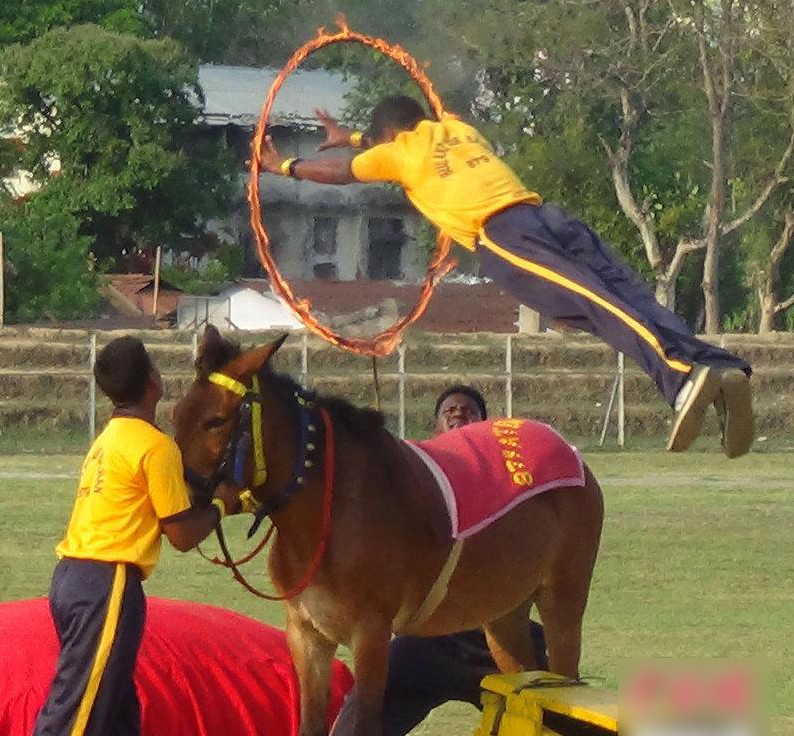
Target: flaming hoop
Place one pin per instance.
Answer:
(384, 342)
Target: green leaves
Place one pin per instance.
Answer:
(54, 270)
(118, 112)
(23, 20)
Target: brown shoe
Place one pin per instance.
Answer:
(694, 398)
(735, 408)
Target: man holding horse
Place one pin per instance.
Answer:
(547, 259)
(131, 491)
(426, 672)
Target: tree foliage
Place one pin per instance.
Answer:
(119, 113)
(53, 269)
(23, 20)
(660, 113)
(664, 124)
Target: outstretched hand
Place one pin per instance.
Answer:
(335, 135)
(270, 158)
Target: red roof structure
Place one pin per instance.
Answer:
(455, 307)
(138, 289)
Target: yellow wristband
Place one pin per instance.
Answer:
(357, 139)
(285, 164)
(220, 505)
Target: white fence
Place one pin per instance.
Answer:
(616, 399)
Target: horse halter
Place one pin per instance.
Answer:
(235, 456)
(247, 438)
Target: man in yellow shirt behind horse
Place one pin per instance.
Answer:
(547, 259)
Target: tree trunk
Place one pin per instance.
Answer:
(768, 290)
(710, 283)
(766, 300)
(718, 86)
(665, 291)
(712, 220)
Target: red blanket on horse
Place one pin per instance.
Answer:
(487, 468)
(201, 671)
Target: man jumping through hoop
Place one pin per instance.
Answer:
(547, 259)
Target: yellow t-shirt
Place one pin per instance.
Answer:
(131, 479)
(449, 172)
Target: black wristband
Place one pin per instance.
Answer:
(291, 168)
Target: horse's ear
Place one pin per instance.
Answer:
(251, 361)
(211, 334)
(209, 349)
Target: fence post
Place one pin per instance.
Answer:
(618, 392)
(401, 388)
(305, 359)
(2, 283)
(157, 258)
(194, 345)
(608, 413)
(509, 377)
(621, 399)
(92, 388)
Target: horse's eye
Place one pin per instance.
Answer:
(214, 423)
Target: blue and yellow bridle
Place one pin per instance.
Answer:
(236, 455)
(252, 398)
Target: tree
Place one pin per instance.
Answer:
(247, 32)
(23, 20)
(120, 115)
(770, 302)
(54, 273)
(656, 85)
(727, 50)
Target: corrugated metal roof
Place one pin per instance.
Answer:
(235, 95)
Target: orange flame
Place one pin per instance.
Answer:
(384, 342)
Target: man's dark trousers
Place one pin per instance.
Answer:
(556, 265)
(425, 673)
(99, 610)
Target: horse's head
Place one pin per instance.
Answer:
(204, 418)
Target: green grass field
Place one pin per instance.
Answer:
(696, 560)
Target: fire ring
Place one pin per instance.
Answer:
(384, 342)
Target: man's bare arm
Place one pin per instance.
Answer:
(324, 171)
(189, 528)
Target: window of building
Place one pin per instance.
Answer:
(324, 271)
(323, 258)
(386, 240)
(325, 235)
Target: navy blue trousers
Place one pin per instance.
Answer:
(556, 265)
(99, 610)
(425, 673)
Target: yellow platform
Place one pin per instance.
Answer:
(543, 704)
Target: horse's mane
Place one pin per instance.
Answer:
(362, 423)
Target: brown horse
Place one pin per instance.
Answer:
(389, 540)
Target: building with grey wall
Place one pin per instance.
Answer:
(317, 231)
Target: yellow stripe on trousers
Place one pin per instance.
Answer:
(106, 639)
(549, 275)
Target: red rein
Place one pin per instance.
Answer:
(322, 544)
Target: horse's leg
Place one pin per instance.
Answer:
(561, 604)
(510, 640)
(312, 655)
(371, 668)
(562, 597)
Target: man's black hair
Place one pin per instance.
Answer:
(469, 391)
(400, 112)
(122, 369)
